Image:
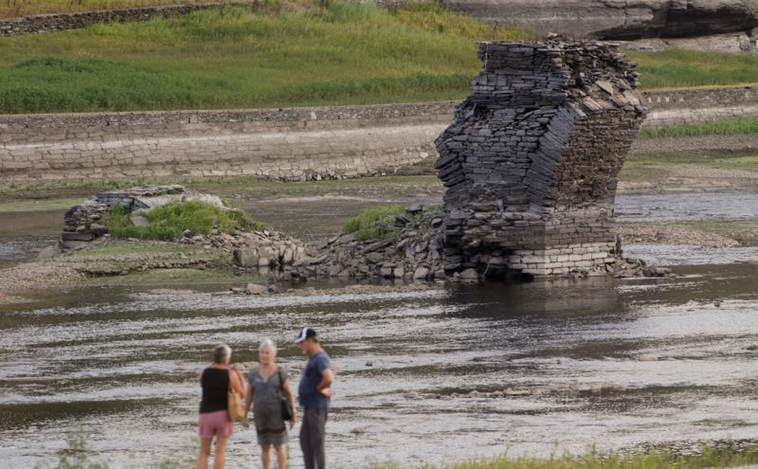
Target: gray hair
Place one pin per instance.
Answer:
(221, 353)
(268, 344)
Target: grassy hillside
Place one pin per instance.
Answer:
(282, 53)
(13, 8)
(685, 68)
(275, 55)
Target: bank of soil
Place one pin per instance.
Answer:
(636, 233)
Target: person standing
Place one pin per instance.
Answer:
(216, 381)
(267, 386)
(314, 394)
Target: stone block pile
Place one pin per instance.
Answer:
(247, 249)
(531, 161)
(84, 222)
(414, 254)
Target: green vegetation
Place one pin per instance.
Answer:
(678, 68)
(13, 8)
(379, 222)
(281, 53)
(77, 454)
(39, 205)
(269, 55)
(167, 223)
(652, 167)
(375, 223)
(733, 126)
(121, 248)
(656, 459)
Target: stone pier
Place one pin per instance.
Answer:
(532, 158)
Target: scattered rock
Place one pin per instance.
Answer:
(469, 274)
(255, 289)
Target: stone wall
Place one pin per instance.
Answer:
(292, 144)
(77, 20)
(677, 107)
(531, 161)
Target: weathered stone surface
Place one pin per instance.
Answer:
(245, 258)
(531, 162)
(255, 289)
(617, 19)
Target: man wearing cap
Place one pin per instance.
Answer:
(314, 393)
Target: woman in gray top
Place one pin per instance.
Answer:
(267, 384)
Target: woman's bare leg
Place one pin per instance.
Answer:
(281, 456)
(266, 456)
(220, 460)
(205, 451)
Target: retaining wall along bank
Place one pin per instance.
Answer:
(290, 144)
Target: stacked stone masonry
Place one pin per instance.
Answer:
(291, 144)
(530, 163)
(78, 20)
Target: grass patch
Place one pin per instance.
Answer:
(39, 205)
(169, 222)
(375, 223)
(176, 278)
(270, 55)
(121, 248)
(645, 167)
(726, 456)
(282, 53)
(678, 68)
(734, 126)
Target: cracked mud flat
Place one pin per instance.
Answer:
(488, 368)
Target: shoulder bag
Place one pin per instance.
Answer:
(236, 410)
(286, 407)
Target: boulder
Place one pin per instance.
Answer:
(469, 274)
(420, 273)
(255, 289)
(246, 258)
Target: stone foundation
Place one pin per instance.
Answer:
(532, 159)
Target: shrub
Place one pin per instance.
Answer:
(167, 223)
(375, 223)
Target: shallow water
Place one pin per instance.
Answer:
(688, 206)
(613, 363)
(685, 254)
(597, 361)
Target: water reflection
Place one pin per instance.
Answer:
(485, 367)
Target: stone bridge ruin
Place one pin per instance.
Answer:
(531, 161)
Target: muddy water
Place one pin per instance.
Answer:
(532, 368)
(582, 362)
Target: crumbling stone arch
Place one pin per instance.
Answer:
(532, 158)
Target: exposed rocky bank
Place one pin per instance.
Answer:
(618, 19)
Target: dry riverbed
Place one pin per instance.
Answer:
(31, 215)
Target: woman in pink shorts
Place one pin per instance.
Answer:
(214, 416)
